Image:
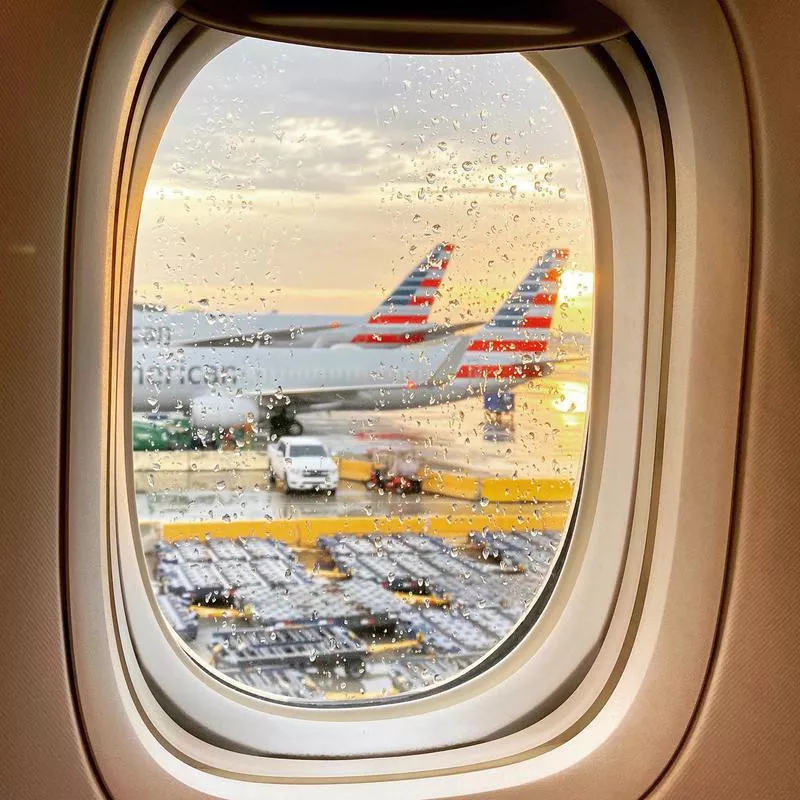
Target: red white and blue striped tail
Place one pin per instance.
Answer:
(513, 346)
(402, 318)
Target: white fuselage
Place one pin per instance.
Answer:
(171, 379)
(180, 328)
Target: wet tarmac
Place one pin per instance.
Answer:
(543, 438)
(418, 644)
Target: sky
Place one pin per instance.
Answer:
(300, 179)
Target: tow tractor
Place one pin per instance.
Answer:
(402, 476)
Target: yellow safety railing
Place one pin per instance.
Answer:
(306, 531)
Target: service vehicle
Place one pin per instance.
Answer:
(302, 463)
(161, 432)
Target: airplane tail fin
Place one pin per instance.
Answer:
(402, 318)
(513, 346)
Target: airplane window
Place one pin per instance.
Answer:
(362, 322)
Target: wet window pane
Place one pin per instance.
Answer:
(361, 338)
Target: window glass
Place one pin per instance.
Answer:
(386, 263)
(305, 450)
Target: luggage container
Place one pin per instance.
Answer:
(167, 553)
(355, 605)
(496, 620)
(371, 598)
(277, 572)
(281, 682)
(300, 646)
(260, 547)
(179, 616)
(425, 544)
(513, 551)
(193, 550)
(449, 632)
(197, 582)
(239, 573)
(295, 604)
(512, 591)
(227, 550)
(425, 671)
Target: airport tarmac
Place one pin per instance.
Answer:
(546, 441)
(402, 641)
(352, 500)
(351, 616)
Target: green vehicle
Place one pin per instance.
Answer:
(162, 433)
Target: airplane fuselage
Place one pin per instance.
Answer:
(171, 379)
(179, 328)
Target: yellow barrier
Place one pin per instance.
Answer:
(497, 490)
(306, 531)
(447, 484)
(522, 490)
(351, 469)
(450, 484)
(284, 530)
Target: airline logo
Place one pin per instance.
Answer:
(397, 318)
(507, 347)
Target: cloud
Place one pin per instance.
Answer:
(319, 173)
(265, 115)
